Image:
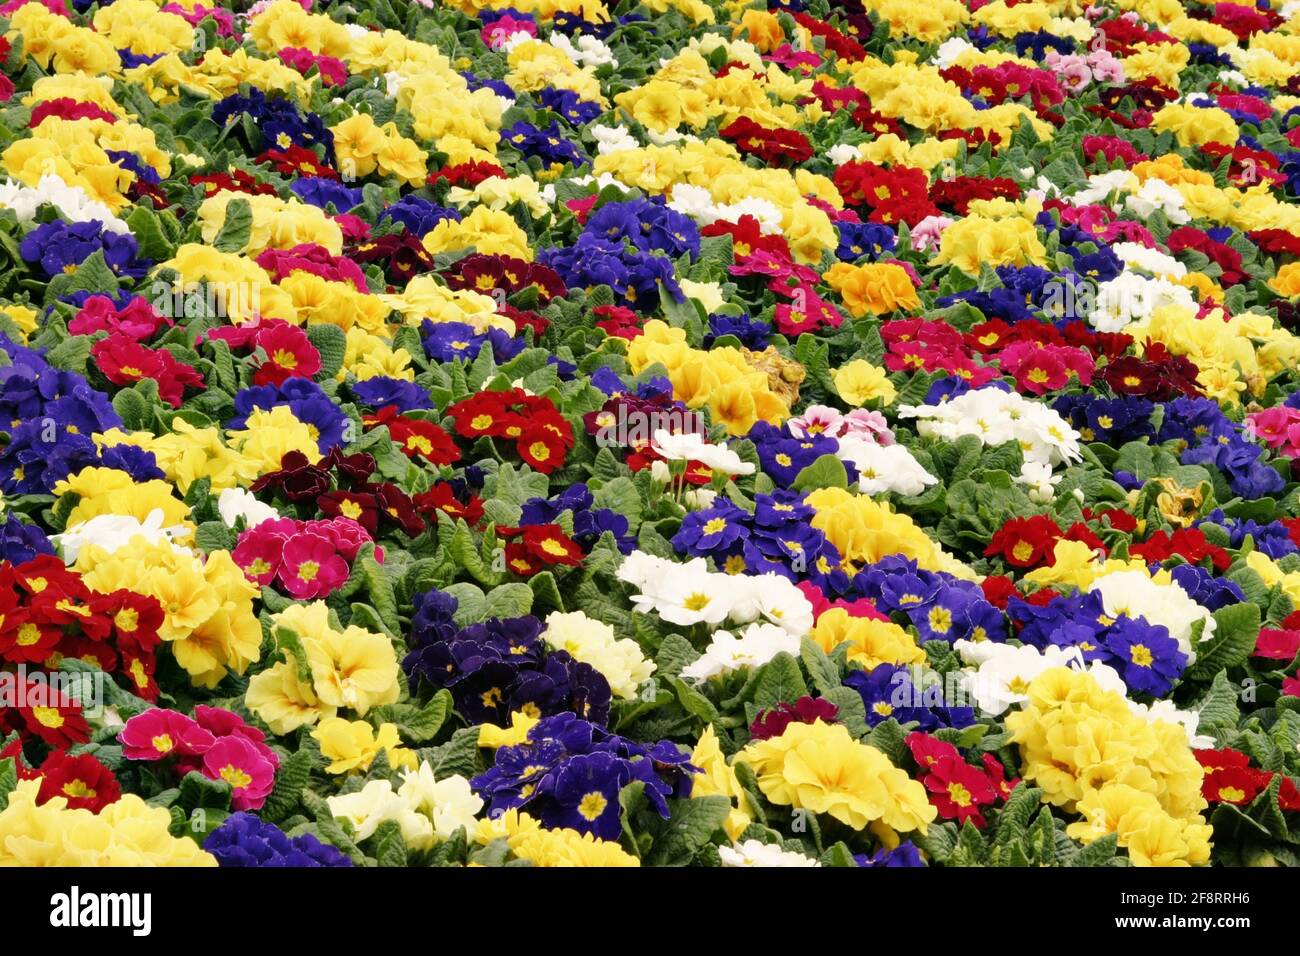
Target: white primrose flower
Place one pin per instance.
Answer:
(236, 503)
(884, 468)
(694, 599)
(1131, 297)
(755, 646)
(1102, 185)
(587, 51)
(842, 153)
(995, 417)
(73, 203)
(376, 802)
(692, 447)
(681, 593)
(950, 50)
(695, 499)
(448, 803)
(764, 210)
(1136, 255)
(1038, 480)
(1003, 672)
(1158, 194)
(773, 598)
(757, 853)
(613, 139)
(640, 569)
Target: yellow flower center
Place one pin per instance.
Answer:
(237, 778)
(592, 805)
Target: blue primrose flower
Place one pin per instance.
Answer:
(244, 840)
(569, 773)
(59, 247)
(1147, 657)
(380, 392)
(321, 191)
(499, 666)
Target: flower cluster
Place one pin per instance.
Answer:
(499, 666)
(308, 559)
(215, 743)
(570, 772)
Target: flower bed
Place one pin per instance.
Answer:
(659, 433)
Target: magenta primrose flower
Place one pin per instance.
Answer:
(312, 566)
(250, 775)
(157, 734)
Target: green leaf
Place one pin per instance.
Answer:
(381, 590)
(332, 344)
(417, 725)
(1268, 813)
(692, 701)
(546, 593)
(148, 233)
(290, 645)
(852, 711)
(1013, 820)
(237, 227)
(72, 354)
(8, 780)
(1219, 710)
(888, 737)
(133, 407)
(200, 793)
(1097, 853)
(509, 600)
(838, 854)
(92, 275)
(826, 472)
(779, 680)
(214, 536)
(675, 653)
(825, 675)
(620, 494)
(1235, 634)
(471, 603)
(390, 847)
(292, 777)
(457, 756)
(691, 823)
(971, 850)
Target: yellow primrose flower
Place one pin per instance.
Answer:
(353, 745)
(871, 641)
(874, 288)
(491, 736)
(1123, 773)
(820, 768)
(551, 847)
(717, 778)
(127, 832)
(859, 382)
(107, 491)
(973, 241)
(269, 435)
